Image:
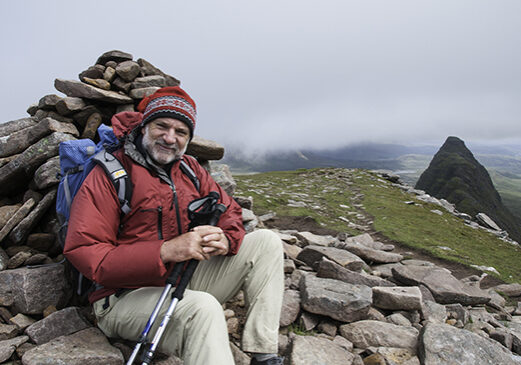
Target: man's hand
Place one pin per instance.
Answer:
(201, 243)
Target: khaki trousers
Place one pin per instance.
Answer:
(197, 332)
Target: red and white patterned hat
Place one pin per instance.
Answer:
(171, 102)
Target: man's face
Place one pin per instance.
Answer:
(165, 139)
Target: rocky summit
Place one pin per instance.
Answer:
(454, 174)
(349, 298)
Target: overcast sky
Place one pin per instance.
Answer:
(290, 73)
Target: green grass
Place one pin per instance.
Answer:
(327, 193)
(323, 200)
(416, 226)
(298, 329)
(508, 186)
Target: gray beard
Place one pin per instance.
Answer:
(148, 145)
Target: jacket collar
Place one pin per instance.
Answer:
(135, 150)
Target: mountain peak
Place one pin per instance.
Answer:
(455, 145)
(455, 175)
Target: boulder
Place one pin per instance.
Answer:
(87, 347)
(8, 128)
(444, 287)
(17, 173)
(486, 221)
(93, 72)
(48, 102)
(310, 239)
(70, 105)
(100, 83)
(205, 149)
(290, 307)
(371, 255)
(393, 355)
(23, 229)
(336, 299)
(148, 81)
(397, 298)
(47, 174)
(61, 323)
(312, 256)
(6, 212)
(140, 93)
(109, 74)
(81, 90)
(19, 141)
(441, 344)
(31, 290)
(4, 260)
(433, 312)
(8, 347)
(332, 270)
(128, 70)
(8, 331)
(320, 351)
(148, 69)
(511, 290)
(367, 333)
(22, 321)
(115, 56)
(222, 175)
(16, 218)
(366, 240)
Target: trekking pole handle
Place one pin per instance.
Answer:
(214, 219)
(192, 264)
(186, 276)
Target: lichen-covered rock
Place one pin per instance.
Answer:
(315, 350)
(31, 290)
(441, 344)
(335, 299)
(87, 347)
(367, 333)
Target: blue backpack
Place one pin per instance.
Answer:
(77, 159)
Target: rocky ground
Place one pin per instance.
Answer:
(349, 298)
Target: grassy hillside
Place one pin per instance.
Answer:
(341, 199)
(509, 187)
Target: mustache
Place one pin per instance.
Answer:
(173, 146)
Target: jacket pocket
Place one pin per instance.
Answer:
(159, 211)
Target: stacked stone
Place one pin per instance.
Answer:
(33, 280)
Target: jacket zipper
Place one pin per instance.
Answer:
(176, 204)
(160, 222)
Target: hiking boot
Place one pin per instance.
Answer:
(277, 360)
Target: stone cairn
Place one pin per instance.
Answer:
(347, 300)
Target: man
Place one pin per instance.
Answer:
(138, 250)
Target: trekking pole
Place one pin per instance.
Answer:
(143, 337)
(203, 211)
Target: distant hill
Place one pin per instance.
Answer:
(363, 155)
(503, 162)
(455, 175)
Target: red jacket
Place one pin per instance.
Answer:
(125, 253)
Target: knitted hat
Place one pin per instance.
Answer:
(171, 102)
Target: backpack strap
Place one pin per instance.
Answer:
(187, 170)
(119, 177)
